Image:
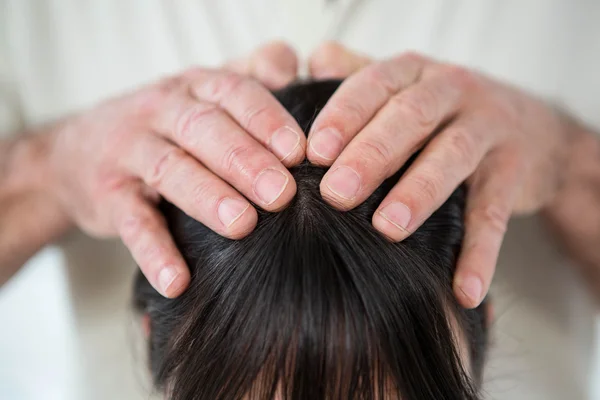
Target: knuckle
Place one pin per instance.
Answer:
(186, 130)
(428, 185)
(252, 115)
(379, 75)
(492, 216)
(351, 110)
(462, 77)
(373, 150)
(152, 250)
(227, 84)
(134, 226)
(419, 108)
(408, 59)
(163, 165)
(221, 85)
(203, 193)
(462, 147)
(235, 159)
(151, 100)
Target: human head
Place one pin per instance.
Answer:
(315, 304)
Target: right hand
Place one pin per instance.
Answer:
(205, 140)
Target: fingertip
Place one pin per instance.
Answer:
(243, 225)
(289, 145)
(393, 219)
(324, 146)
(332, 60)
(274, 188)
(469, 290)
(335, 200)
(276, 64)
(341, 186)
(387, 227)
(173, 281)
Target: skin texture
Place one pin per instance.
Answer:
(103, 170)
(30, 217)
(221, 132)
(511, 148)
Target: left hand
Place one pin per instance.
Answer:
(508, 146)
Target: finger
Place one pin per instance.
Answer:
(256, 110)
(333, 60)
(447, 161)
(190, 186)
(274, 64)
(211, 136)
(144, 232)
(489, 205)
(398, 130)
(356, 101)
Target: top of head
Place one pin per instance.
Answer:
(315, 304)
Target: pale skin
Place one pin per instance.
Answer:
(517, 154)
(207, 140)
(103, 170)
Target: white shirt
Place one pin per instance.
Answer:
(67, 328)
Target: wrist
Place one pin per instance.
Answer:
(26, 172)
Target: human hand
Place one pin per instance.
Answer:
(206, 140)
(508, 146)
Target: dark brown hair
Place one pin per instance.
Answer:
(315, 304)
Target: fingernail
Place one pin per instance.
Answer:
(284, 141)
(327, 143)
(344, 182)
(166, 277)
(398, 214)
(230, 210)
(269, 185)
(472, 287)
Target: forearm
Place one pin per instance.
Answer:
(574, 214)
(30, 217)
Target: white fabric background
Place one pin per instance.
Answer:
(67, 331)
